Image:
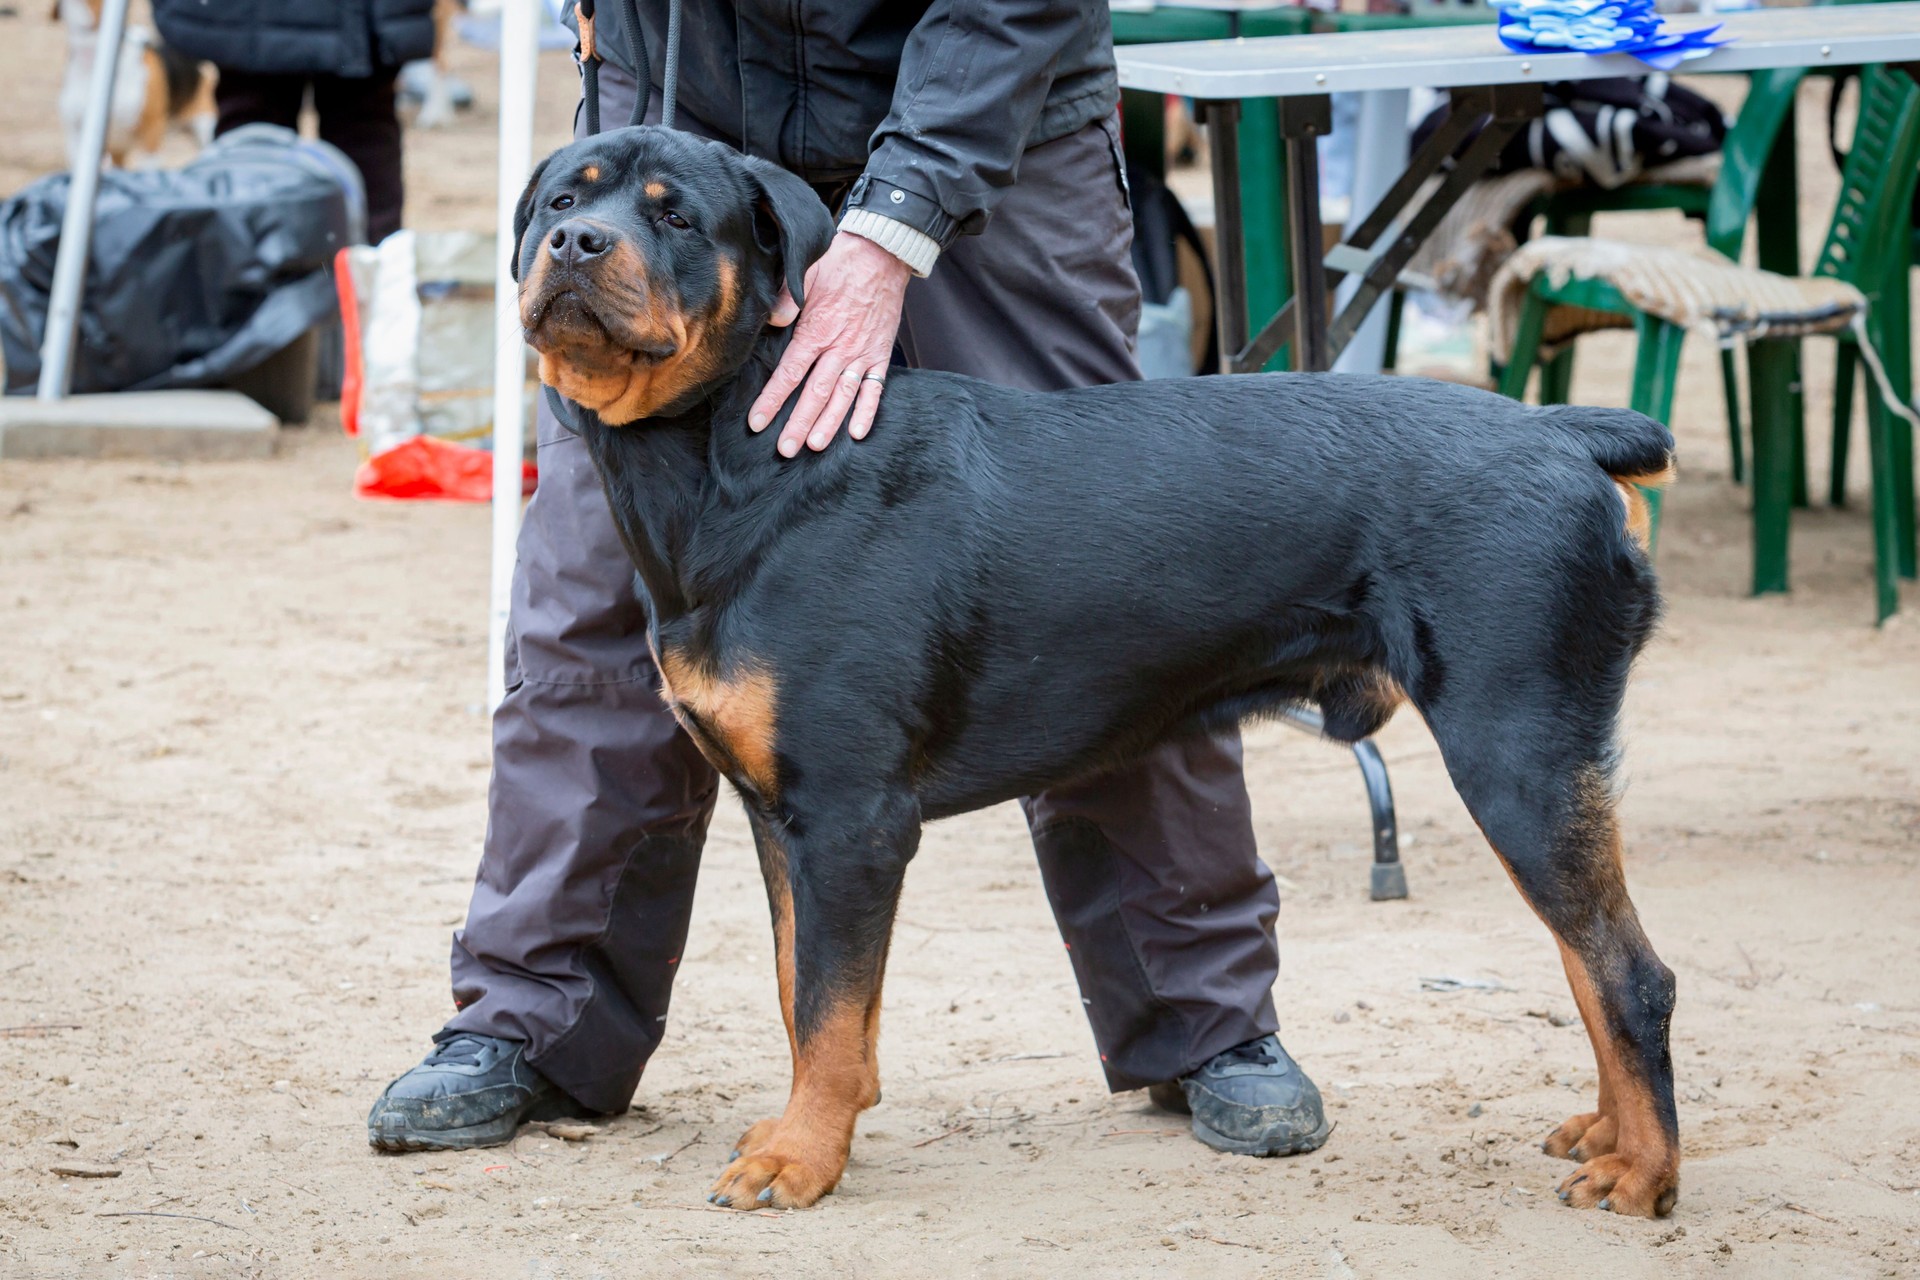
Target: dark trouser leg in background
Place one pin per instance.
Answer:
(244, 98)
(1165, 906)
(356, 116)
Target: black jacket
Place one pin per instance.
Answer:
(927, 103)
(352, 38)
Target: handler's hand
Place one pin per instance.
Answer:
(840, 348)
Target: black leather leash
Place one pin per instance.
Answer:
(643, 69)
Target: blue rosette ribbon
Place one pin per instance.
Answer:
(1600, 26)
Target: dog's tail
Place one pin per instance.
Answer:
(1634, 450)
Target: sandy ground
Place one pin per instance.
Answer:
(242, 779)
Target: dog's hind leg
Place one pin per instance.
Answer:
(1546, 806)
(832, 886)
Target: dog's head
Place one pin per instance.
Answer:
(649, 262)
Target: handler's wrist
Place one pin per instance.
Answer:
(910, 245)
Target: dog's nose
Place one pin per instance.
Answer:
(578, 241)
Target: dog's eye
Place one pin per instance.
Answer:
(675, 221)
(560, 202)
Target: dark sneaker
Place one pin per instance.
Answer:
(1250, 1101)
(471, 1091)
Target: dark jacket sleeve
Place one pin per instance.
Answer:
(974, 78)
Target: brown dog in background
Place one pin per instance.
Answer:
(154, 89)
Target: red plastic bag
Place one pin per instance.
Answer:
(429, 467)
(395, 397)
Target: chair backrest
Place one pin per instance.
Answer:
(1743, 157)
(1876, 187)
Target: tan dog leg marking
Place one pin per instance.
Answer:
(791, 1161)
(1638, 1171)
(1630, 1160)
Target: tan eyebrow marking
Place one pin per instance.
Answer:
(591, 173)
(656, 189)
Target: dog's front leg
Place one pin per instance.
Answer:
(832, 887)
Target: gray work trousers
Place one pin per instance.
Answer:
(599, 803)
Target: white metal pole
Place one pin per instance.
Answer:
(76, 226)
(1379, 154)
(519, 54)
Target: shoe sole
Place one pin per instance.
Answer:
(491, 1133)
(1262, 1148)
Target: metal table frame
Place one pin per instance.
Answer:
(1498, 111)
(1489, 86)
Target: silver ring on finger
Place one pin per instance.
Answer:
(874, 378)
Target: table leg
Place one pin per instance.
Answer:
(1380, 153)
(1143, 130)
(1389, 873)
(1498, 112)
(1229, 233)
(1302, 122)
(1777, 239)
(1770, 373)
(1897, 322)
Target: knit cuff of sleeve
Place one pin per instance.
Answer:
(914, 247)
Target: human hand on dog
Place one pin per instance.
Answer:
(841, 347)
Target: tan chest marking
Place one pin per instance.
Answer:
(736, 711)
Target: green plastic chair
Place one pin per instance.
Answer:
(1876, 190)
(1725, 209)
(1896, 306)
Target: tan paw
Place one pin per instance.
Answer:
(1583, 1137)
(773, 1179)
(755, 1139)
(1613, 1182)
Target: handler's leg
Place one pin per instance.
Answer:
(1152, 873)
(596, 817)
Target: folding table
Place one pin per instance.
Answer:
(1491, 88)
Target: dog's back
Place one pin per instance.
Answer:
(1194, 551)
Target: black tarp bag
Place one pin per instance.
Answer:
(196, 275)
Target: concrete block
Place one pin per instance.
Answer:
(182, 425)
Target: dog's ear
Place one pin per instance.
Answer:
(523, 212)
(788, 220)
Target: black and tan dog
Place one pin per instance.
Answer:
(999, 591)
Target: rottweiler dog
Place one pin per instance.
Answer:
(1000, 591)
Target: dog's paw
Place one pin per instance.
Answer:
(755, 1139)
(773, 1179)
(1615, 1183)
(1583, 1137)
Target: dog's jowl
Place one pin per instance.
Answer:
(1000, 591)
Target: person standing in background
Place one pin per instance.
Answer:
(348, 54)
